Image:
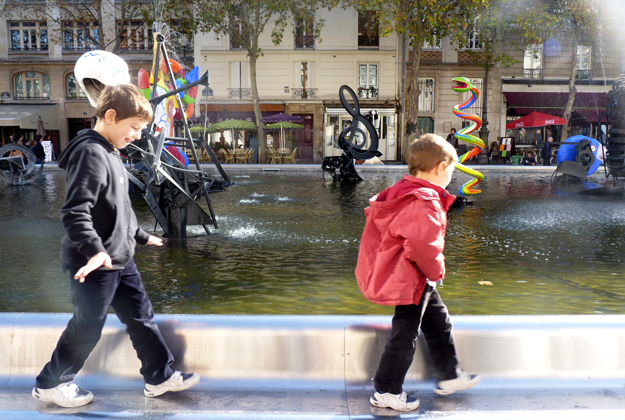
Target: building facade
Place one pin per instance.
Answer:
(38, 52)
(302, 77)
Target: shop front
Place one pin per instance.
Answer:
(384, 120)
(587, 117)
(23, 119)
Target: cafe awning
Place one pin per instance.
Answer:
(591, 105)
(26, 117)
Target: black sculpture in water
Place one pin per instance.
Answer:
(17, 165)
(351, 140)
(172, 191)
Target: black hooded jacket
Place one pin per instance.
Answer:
(97, 214)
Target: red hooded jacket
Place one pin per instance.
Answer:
(403, 240)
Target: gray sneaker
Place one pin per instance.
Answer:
(67, 394)
(177, 382)
(463, 381)
(399, 402)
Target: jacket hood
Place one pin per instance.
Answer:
(81, 137)
(411, 187)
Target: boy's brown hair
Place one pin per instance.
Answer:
(126, 100)
(428, 151)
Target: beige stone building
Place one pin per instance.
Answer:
(302, 77)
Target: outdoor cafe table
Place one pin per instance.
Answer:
(239, 154)
(283, 152)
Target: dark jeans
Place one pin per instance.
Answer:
(123, 290)
(432, 317)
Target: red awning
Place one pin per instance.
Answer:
(591, 105)
(535, 119)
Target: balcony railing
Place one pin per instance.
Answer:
(368, 92)
(304, 41)
(17, 48)
(240, 93)
(74, 96)
(299, 93)
(532, 73)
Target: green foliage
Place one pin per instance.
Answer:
(564, 19)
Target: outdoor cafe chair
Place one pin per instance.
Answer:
(240, 156)
(273, 156)
(249, 156)
(291, 157)
(228, 156)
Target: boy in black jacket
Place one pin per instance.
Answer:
(101, 231)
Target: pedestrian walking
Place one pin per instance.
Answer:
(101, 231)
(400, 263)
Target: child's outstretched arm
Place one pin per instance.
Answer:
(98, 260)
(155, 240)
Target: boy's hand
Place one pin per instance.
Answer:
(155, 240)
(98, 260)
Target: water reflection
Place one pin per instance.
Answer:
(288, 245)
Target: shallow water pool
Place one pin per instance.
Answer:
(288, 244)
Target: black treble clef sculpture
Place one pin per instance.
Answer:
(351, 140)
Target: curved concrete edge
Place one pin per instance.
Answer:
(319, 367)
(337, 350)
(316, 168)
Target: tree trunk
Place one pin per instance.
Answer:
(564, 134)
(413, 95)
(253, 54)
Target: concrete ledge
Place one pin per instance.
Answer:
(335, 348)
(321, 366)
(314, 167)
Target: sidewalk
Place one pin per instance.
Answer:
(489, 400)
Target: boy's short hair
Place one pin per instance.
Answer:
(126, 100)
(428, 151)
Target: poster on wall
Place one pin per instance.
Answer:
(47, 148)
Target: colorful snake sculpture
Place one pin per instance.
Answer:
(464, 85)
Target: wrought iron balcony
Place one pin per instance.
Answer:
(532, 73)
(368, 92)
(299, 93)
(240, 93)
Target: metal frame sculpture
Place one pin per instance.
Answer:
(348, 142)
(18, 170)
(179, 188)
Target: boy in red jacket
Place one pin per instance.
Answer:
(400, 261)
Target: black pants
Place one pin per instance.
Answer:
(432, 317)
(124, 291)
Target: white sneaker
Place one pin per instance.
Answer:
(177, 382)
(463, 381)
(67, 394)
(399, 402)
